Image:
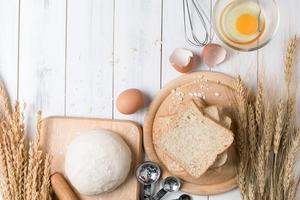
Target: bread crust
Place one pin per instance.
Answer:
(196, 170)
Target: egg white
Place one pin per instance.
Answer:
(230, 15)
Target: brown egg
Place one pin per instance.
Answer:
(130, 101)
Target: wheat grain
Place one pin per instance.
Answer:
(269, 172)
(290, 114)
(22, 168)
(289, 61)
(242, 179)
(6, 108)
(292, 191)
(242, 117)
(261, 170)
(278, 126)
(259, 103)
(45, 188)
(288, 171)
(268, 128)
(252, 132)
(251, 192)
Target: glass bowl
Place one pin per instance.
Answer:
(268, 9)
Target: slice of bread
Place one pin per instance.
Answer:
(220, 160)
(210, 111)
(194, 141)
(214, 113)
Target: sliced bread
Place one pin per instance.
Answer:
(213, 113)
(194, 141)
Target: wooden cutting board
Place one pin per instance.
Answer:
(212, 88)
(57, 132)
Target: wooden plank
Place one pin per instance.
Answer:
(238, 63)
(272, 56)
(42, 57)
(89, 58)
(9, 22)
(271, 60)
(172, 38)
(231, 195)
(137, 49)
(243, 63)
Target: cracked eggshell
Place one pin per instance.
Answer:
(213, 54)
(182, 60)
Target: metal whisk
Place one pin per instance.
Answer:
(191, 36)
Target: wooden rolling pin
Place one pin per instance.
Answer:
(61, 188)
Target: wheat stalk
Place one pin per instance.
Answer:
(289, 167)
(259, 103)
(289, 60)
(242, 116)
(242, 179)
(25, 171)
(289, 118)
(251, 192)
(252, 132)
(261, 170)
(278, 126)
(45, 187)
(268, 133)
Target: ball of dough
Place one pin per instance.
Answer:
(97, 162)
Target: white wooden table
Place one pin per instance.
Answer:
(73, 57)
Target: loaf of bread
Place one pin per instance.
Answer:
(194, 141)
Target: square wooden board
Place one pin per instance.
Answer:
(57, 132)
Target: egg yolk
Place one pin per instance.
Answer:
(247, 24)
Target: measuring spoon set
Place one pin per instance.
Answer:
(148, 174)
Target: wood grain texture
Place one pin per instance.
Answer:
(89, 58)
(238, 63)
(58, 132)
(9, 14)
(173, 37)
(272, 56)
(137, 49)
(61, 188)
(90, 64)
(42, 57)
(231, 195)
(214, 181)
(243, 63)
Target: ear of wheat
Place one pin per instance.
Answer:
(24, 169)
(270, 133)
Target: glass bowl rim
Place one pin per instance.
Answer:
(259, 45)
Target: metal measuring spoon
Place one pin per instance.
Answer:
(147, 173)
(184, 197)
(169, 184)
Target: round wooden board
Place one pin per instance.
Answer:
(217, 89)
